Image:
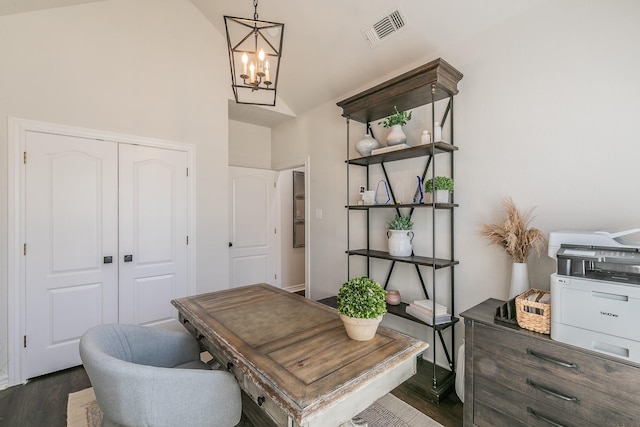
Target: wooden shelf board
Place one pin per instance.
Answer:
(407, 153)
(419, 260)
(396, 310)
(403, 205)
(406, 91)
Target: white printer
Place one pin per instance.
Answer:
(595, 292)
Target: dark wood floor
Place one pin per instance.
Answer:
(42, 401)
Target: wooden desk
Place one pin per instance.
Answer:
(292, 355)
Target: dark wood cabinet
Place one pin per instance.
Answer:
(515, 377)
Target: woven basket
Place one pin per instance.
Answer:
(531, 315)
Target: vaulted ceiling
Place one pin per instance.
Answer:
(325, 54)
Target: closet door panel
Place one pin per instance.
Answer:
(153, 233)
(71, 225)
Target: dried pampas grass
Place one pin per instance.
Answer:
(513, 234)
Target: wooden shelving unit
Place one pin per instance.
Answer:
(424, 85)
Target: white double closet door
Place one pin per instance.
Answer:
(106, 241)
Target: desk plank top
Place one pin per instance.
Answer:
(294, 348)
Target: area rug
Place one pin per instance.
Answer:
(388, 411)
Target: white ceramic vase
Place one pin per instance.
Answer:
(519, 279)
(366, 144)
(400, 242)
(396, 136)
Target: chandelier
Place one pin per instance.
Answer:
(255, 49)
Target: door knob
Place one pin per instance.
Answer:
(108, 259)
(230, 244)
(128, 258)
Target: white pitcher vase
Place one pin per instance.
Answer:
(519, 279)
(400, 242)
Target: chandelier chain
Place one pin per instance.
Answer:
(255, 13)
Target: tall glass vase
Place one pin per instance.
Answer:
(519, 279)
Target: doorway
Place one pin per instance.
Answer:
(293, 223)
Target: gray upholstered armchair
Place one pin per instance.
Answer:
(132, 372)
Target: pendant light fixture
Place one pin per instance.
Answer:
(255, 49)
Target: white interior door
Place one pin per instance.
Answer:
(253, 256)
(71, 206)
(153, 233)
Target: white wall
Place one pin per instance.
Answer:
(149, 68)
(546, 114)
(320, 134)
(249, 145)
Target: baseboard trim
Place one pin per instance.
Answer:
(295, 288)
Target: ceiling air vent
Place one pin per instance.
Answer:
(385, 28)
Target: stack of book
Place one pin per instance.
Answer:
(389, 149)
(423, 310)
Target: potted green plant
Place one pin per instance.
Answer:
(442, 185)
(400, 236)
(395, 121)
(361, 305)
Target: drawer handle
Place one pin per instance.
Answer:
(543, 418)
(553, 392)
(260, 400)
(552, 360)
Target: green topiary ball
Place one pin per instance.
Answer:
(362, 298)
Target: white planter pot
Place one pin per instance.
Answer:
(360, 329)
(442, 196)
(396, 136)
(400, 242)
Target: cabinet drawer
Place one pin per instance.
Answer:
(524, 408)
(265, 403)
(487, 416)
(553, 391)
(615, 380)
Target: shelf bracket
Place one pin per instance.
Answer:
(386, 282)
(446, 113)
(424, 288)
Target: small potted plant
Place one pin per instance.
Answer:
(400, 236)
(442, 185)
(361, 304)
(395, 121)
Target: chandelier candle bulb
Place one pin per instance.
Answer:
(252, 69)
(261, 63)
(245, 60)
(267, 77)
